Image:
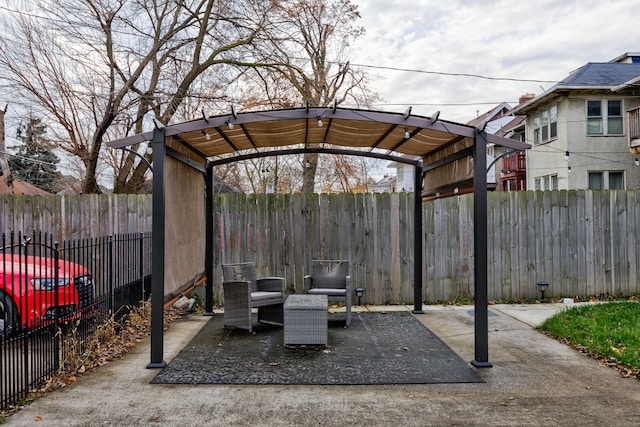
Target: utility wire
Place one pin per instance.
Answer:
(28, 159)
(442, 73)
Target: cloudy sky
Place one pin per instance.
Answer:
(542, 40)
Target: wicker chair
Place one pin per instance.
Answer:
(244, 291)
(330, 278)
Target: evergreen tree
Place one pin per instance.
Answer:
(35, 161)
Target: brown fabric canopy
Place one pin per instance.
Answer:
(444, 148)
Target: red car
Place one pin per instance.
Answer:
(28, 291)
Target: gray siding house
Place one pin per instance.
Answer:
(579, 129)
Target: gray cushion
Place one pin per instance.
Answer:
(262, 296)
(327, 291)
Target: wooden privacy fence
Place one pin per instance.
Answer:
(76, 216)
(581, 242)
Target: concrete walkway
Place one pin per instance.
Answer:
(535, 380)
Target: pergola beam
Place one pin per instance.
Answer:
(318, 150)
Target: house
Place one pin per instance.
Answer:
(511, 166)
(400, 182)
(386, 185)
(579, 132)
(404, 176)
(506, 168)
(633, 118)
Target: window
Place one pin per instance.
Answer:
(545, 125)
(596, 181)
(614, 117)
(616, 180)
(536, 129)
(604, 180)
(604, 117)
(547, 182)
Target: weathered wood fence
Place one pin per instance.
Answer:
(581, 242)
(76, 216)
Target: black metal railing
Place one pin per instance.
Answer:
(48, 289)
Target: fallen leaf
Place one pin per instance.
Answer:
(37, 418)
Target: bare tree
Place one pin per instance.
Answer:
(308, 62)
(98, 69)
(90, 65)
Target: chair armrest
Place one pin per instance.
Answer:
(348, 284)
(308, 283)
(238, 290)
(271, 284)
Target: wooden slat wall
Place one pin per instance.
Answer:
(581, 242)
(76, 216)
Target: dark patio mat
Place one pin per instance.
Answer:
(378, 348)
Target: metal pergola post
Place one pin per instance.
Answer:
(209, 246)
(157, 256)
(417, 239)
(480, 251)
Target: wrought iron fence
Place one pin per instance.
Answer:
(48, 289)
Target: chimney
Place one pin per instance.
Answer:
(526, 98)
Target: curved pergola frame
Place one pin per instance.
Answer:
(448, 158)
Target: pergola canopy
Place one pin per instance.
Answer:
(444, 148)
(446, 157)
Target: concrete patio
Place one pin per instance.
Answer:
(534, 380)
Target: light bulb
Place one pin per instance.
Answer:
(407, 135)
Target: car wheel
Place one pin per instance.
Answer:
(8, 315)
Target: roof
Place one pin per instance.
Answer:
(495, 113)
(612, 76)
(22, 187)
(627, 57)
(386, 180)
(511, 125)
(604, 74)
(402, 137)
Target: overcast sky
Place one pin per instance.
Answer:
(542, 40)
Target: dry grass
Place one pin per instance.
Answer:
(110, 340)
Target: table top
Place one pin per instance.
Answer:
(304, 301)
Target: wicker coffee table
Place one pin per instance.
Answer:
(305, 319)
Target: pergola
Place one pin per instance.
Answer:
(448, 158)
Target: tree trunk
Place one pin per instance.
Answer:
(6, 172)
(309, 172)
